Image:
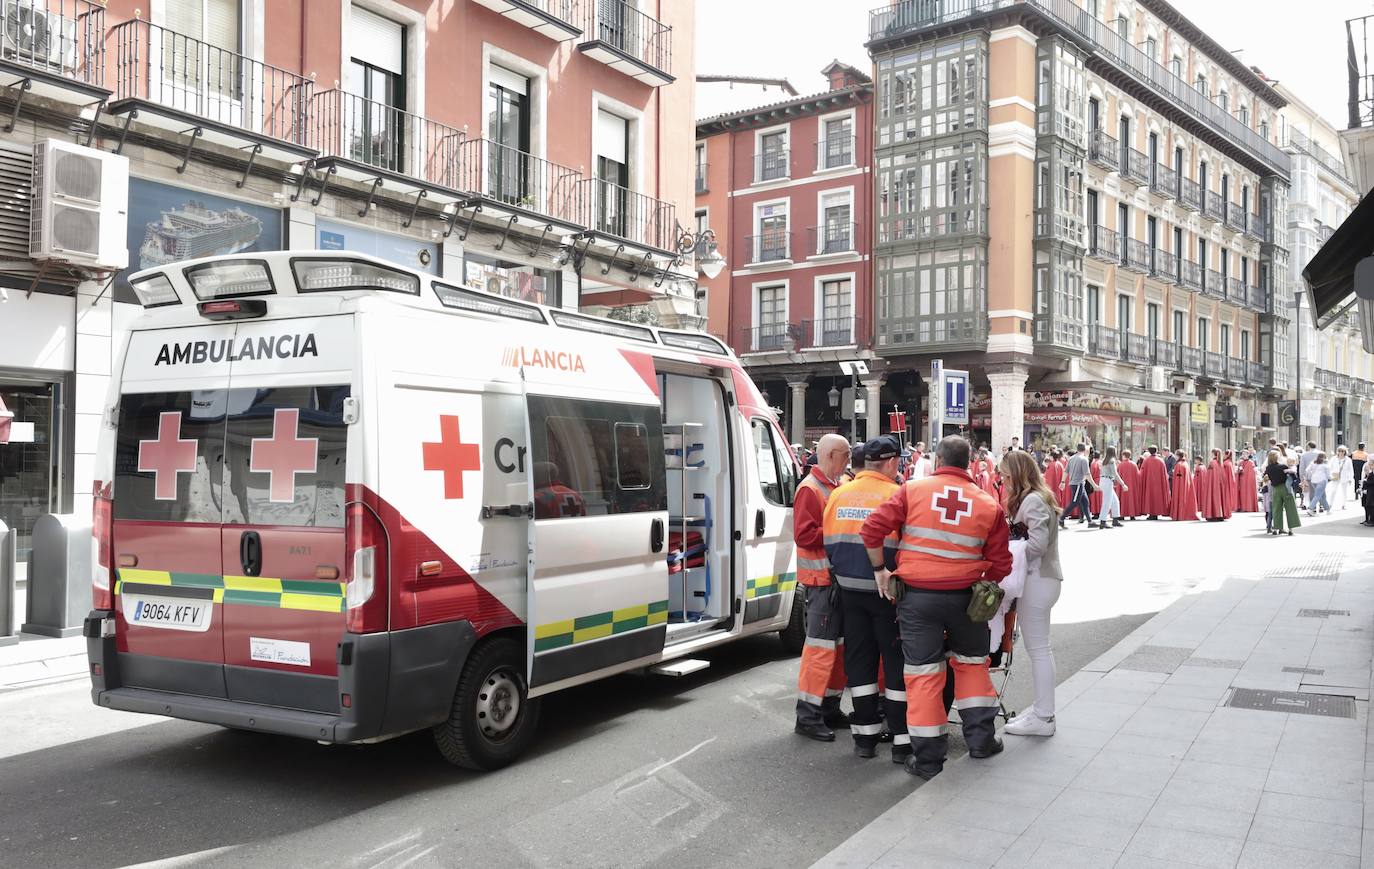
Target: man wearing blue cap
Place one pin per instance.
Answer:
(870, 620)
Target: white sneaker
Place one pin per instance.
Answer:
(1030, 724)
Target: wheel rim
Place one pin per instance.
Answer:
(499, 704)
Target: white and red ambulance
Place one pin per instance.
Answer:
(341, 500)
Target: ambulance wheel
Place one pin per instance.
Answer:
(794, 635)
(493, 719)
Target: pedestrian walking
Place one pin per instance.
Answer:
(1304, 462)
(1357, 462)
(1342, 486)
(1367, 493)
(1110, 482)
(1094, 474)
(1076, 476)
(1282, 504)
(870, 620)
(1033, 507)
(1318, 476)
(1054, 477)
(1182, 497)
(953, 537)
(820, 681)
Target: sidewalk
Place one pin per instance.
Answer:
(1154, 764)
(38, 660)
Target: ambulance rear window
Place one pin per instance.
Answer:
(168, 456)
(595, 458)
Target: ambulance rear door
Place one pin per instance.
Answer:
(598, 575)
(770, 484)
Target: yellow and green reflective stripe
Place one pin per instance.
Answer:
(567, 632)
(765, 585)
(288, 594)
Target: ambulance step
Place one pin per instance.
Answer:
(680, 667)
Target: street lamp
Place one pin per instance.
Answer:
(702, 245)
(854, 369)
(834, 396)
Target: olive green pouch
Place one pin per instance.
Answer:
(987, 597)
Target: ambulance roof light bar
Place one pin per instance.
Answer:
(584, 323)
(321, 274)
(155, 291)
(485, 303)
(230, 279)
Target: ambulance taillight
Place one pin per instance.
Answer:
(367, 585)
(102, 527)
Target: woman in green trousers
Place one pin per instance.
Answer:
(1281, 501)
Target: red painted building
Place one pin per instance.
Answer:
(787, 190)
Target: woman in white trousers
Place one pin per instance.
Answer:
(1033, 507)
(1341, 488)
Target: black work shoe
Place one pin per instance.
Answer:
(837, 721)
(818, 732)
(980, 753)
(911, 766)
(885, 736)
(899, 757)
(1116, 523)
(865, 751)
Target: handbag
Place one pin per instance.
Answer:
(987, 597)
(1088, 485)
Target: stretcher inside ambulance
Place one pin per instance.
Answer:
(341, 500)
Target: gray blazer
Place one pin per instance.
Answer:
(1042, 550)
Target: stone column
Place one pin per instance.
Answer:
(1008, 405)
(873, 407)
(796, 412)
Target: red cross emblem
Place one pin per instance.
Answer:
(951, 505)
(167, 456)
(451, 456)
(284, 455)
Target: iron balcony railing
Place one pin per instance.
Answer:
(62, 37)
(1235, 216)
(1333, 164)
(1212, 206)
(1138, 349)
(769, 247)
(1164, 265)
(1213, 284)
(830, 332)
(1190, 274)
(1235, 370)
(703, 170)
(1189, 359)
(909, 16)
(1164, 181)
(1104, 341)
(1235, 291)
(1135, 255)
(1258, 373)
(1213, 365)
(1343, 383)
(834, 152)
(1257, 298)
(164, 67)
(1104, 243)
(1135, 166)
(516, 178)
(1254, 226)
(1189, 194)
(770, 337)
(623, 27)
(619, 212)
(1104, 150)
(1324, 232)
(385, 137)
(1164, 353)
(772, 165)
(832, 238)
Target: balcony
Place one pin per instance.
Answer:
(1104, 244)
(382, 140)
(628, 41)
(1136, 255)
(771, 338)
(1235, 217)
(1189, 360)
(830, 332)
(1236, 371)
(772, 166)
(1213, 284)
(182, 85)
(1324, 233)
(1164, 265)
(54, 49)
(769, 247)
(1212, 205)
(831, 239)
(1190, 274)
(1104, 341)
(1257, 373)
(1213, 365)
(513, 178)
(836, 152)
(703, 171)
(1138, 349)
(556, 19)
(1332, 163)
(1235, 291)
(1189, 194)
(625, 215)
(1164, 353)
(1104, 150)
(1135, 166)
(1254, 226)
(1257, 299)
(1164, 181)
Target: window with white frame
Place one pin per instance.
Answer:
(1151, 48)
(1243, 114)
(837, 143)
(1180, 334)
(1094, 305)
(836, 326)
(773, 157)
(836, 231)
(1176, 66)
(701, 167)
(1204, 333)
(1223, 99)
(611, 142)
(773, 240)
(703, 220)
(1124, 306)
(1225, 339)
(376, 132)
(1245, 343)
(1202, 84)
(770, 321)
(201, 44)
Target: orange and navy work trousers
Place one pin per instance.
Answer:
(873, 666)
(936, 632)
(821, 679)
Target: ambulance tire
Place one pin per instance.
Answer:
(495, 666)
(794, 635)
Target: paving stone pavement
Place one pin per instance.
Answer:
(1151, 767)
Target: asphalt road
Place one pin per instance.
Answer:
(636, 770)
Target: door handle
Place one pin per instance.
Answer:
(250, 553)
(656, 536)
(760, 523)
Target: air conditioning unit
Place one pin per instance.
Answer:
(1157, 378)
(32, 35)
(80, 211)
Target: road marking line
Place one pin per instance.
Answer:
(689, 751)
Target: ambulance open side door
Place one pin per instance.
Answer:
(598, 572)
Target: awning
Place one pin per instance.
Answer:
(1330, 275)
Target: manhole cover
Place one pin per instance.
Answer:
(1327, 705)
(1218, 663)
(1306, 671)
(1321, 614)
(1155, 659)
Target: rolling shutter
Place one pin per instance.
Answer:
(376, 41)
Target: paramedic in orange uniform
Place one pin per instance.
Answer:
(870, 621)
(821, 679)
(953, 534)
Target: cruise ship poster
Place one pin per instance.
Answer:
(169, 223)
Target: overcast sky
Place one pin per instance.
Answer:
(1301, 44)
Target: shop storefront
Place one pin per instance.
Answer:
(31, 459)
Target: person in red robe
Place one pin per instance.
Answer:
(1095, 471)
(1228, 485)
(1199, 481)
(1130, 479)
(1054, 478)
(1154, 485)
(1211, 505)
(1183, 498)
(1247, 488)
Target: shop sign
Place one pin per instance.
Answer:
(1070, 417)
(1311, 412)
(1201, 412)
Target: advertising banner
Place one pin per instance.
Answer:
(412, 253)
